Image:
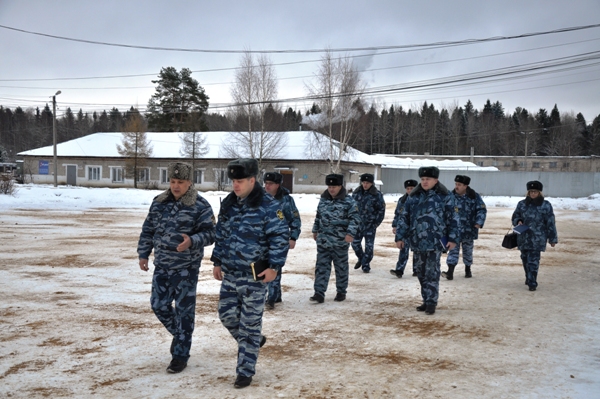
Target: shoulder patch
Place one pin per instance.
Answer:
(296, 214)
(483, 205)
(213, 219)
(280, 214)
(456, 209)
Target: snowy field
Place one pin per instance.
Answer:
(75, 319)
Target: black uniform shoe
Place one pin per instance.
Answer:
(263, 341)
(414, 274)
(366, 270)
(339, 297)
(531, 288)
(242, 382)
(449, 274)
(278, 300)
(358, 265)
(176, 366)
(318, 298)
(468, 272)
(396, 273)
(422, 308)
(271, 304)
(430, 309)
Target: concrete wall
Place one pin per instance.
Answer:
(503, 183)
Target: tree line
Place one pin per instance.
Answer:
(180, 104)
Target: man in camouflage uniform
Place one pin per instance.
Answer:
(537, 214)
(251, 228)
(409, 185)
(371, 207)
(292, 217)
(179, 225)
(336, 224)
(428, 216)
(472, 213)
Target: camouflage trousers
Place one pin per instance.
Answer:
(365, 256)
(274, 289)
(531, 265)
(241, 307)
(179, 286)
(339, 257)
(427, 267)
(403, 260)
(467, 253)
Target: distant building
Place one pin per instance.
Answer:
(93, 161)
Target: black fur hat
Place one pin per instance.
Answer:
(275, 177)
(367, 177)
(334, 180)
(242, 168)
(534, 185)
(462, 179)
(429, 171)
(410, 183)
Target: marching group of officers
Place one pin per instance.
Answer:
(258, 225)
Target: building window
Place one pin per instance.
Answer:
(164, 176)
(94, 172)
(494, 163)
(507, 164)
(553, 165)
(522, 164)
(198, 176)
(116, 175)
(221, 178)
(566, 164)
(480, 163)
(144, 175)
(535, 165)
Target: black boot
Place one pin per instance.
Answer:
(358, 265)
(468, 272)
(449, 274)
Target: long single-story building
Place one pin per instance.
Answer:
(302, 157)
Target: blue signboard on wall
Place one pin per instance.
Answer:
(43, 168)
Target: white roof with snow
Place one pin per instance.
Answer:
(296, 145)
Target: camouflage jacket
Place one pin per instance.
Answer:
(472, 211)
(336, 218)
(167, 220)
(428, 216)
(250, 230)
(371, 207)
(292, 216)
(539, 216)
(399, 208)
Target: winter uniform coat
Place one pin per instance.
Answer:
(250, 230)
(399, 208)
(167, 220)
(371, 207)
(472, 211)
(336, 218)
(539, 216)
(290, 211)
(428, 216)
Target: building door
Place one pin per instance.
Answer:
(288, 179)
(71, 175)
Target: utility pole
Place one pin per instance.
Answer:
(54, 137)
(526, 136)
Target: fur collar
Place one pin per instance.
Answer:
(281, 191)
(438, 188)
(187, 199)
(470, 193)
(537, 202)
(341, 195)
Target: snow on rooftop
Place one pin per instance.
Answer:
(296, 145)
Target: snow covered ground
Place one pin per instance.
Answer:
(75, 319)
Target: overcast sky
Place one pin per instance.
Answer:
(33, 67)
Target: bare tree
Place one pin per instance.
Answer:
(337, 89)
(254, 90)
(135, 145)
